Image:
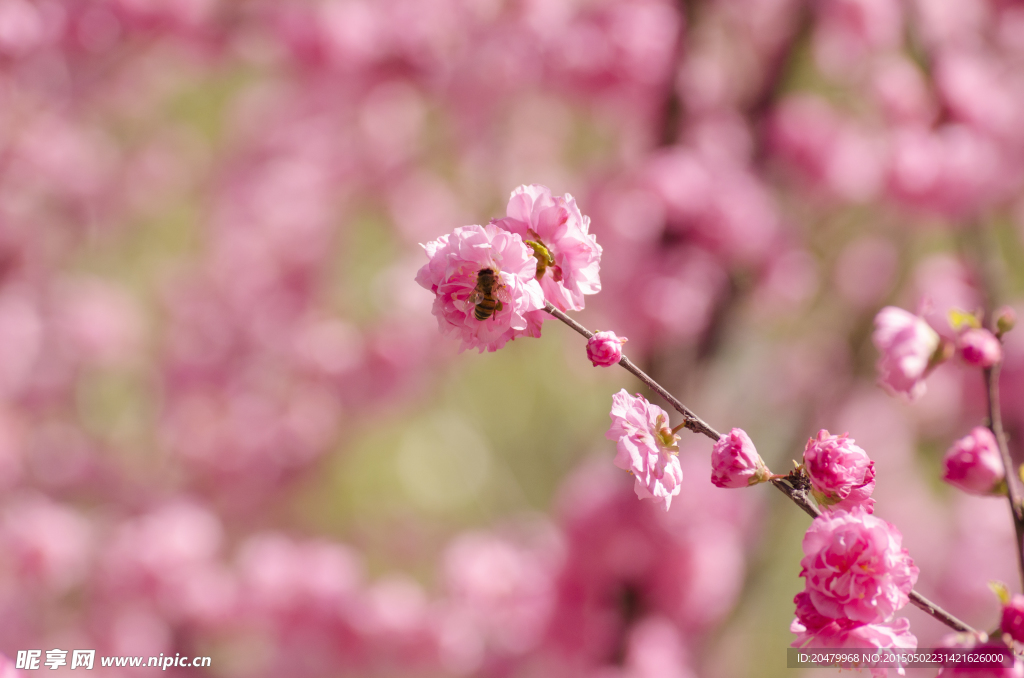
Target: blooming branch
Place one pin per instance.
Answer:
(796, 486)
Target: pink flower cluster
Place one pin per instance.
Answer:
(857, 575)
(542, 251)
(841, 473)
(646, 447)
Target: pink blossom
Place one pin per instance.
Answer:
(505, 590)
(646, 446)
(452, 275)
(7, 669)
(906, 343)
(568, 256)
(979, 347)
(735, 461)
(973, 463)
(1013, 618)
(604, 349)
(842, 475)
(966, 670)
(855, 567)
(818, 631)
(47, 542)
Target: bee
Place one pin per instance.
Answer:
(488, 294)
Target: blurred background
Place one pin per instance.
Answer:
(230, 427)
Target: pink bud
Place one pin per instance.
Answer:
(979, 348)
(1013, 618)
(973, 463)
(735, 462)
(605, 349)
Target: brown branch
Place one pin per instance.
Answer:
(937, 612)
(795, 485)
(691, 420)
(995, 424)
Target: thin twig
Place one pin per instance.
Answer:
(692, 421)
(796, 491)
(995, 424)
(937, 612)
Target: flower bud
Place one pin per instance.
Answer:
(973, 463)
(604, 349)
(735, 462)
(1013, 618)
(979, 348)
(1005, 320)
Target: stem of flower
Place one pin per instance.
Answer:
(795, 489)
(995, 424)
(690, 420)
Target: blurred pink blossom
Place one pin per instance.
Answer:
(47, 542)
(979, 348)
(7, 669)
(505, 589)
(979, 646)
(973, 463)
(1012, 620)
(849, 30)
(906, 344)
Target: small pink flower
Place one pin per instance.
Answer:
(842, 475)
(906, 343)
(855, 567)
(973, 463)
(735, 461)
(453, 273)
(562, 233)
(979, 347)
(646, 446)
(604, 349)
(1013, 618)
